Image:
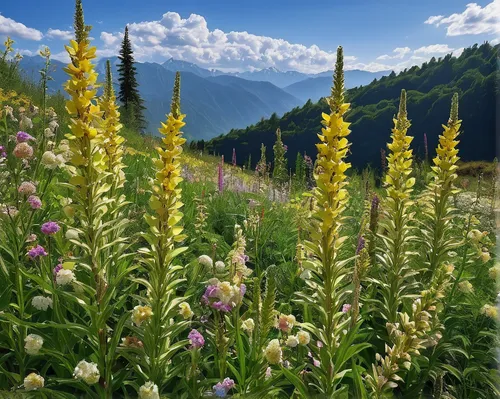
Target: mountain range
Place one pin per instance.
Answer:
(430, 86)
(213, 101)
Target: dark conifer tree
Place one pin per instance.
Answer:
(133, 104)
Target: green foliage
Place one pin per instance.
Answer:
(429, 87)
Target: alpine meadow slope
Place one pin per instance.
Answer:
(430, 87)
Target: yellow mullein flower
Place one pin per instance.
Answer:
(398, 183)
(165, 200)
(446, 159)
(111, 141)
(8, 47)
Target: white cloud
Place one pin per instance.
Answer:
(12, 28)
(474, 20)
(191, 40)
(59, 34)
(434, 49)
(434, 20)
(400, 53)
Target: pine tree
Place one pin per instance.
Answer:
(133, 104)
(280, 174)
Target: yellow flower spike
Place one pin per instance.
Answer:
(166, 199)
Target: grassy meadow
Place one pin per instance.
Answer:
(134, 267)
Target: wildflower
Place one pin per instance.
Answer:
(494, 272)
(72, 234)
(141, 314)
(196, 339)
(489, 311)
(292, 341)
(465, 287)
(475, 235)
(23, 137)
(88, 372)
(149, 391)
(316, 363)
(48, 133)
(23, 151)
(485, 256)
(222, 388)
(226, 291)
(268, 373)
(220, 266)
(34, 202)
(31, 238)
(49, 160)
(205, 260)
(248, 325)
(26, 188)
(65, 277)
(37, 252)
(41, 302)
(273, 353)
(26, 123)
(222, 306)
(449, 268)
(185, 310)
(33, 381)
(50, 228)
(285, 322)
(53, 125)
(33, 344)
(3, 154)
(9, 112)
(303, 337)
(346, 307)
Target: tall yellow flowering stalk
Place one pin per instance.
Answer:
(112, 142)
(395, 258)
(164, 276)
(89, 137)
(329, 282)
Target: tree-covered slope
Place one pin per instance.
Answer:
(430, 87)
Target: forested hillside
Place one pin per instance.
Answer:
(430, 87)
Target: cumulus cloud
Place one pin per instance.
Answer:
(191, 40)
(434, 49)
(12, 28)
(474, 20)
(59, 34)
(400, 53)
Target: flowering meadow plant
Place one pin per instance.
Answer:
(157, 274)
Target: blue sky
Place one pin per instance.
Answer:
(243, 35)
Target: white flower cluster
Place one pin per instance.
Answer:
(41, 302)
(87, 372)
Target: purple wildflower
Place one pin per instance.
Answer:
(243, 289)
(50, 228)
(222, 388)
(219, 305)
(57, 269)
(361, 244)
(346, 307)
(22, 137)
(37, 252)
(34, 202)
(196, 339)
(3, 154)
(220, 177)
(375, 203)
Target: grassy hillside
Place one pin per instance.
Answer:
(473, 75)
